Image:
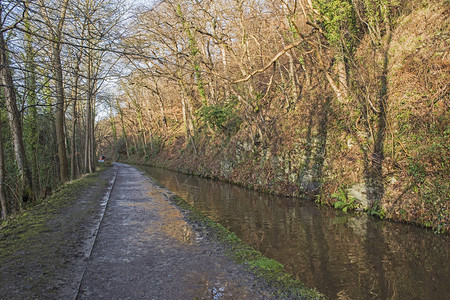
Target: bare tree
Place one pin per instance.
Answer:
(4, 212)
(14, 117)
(55, 24)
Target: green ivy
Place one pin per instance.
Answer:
(222, 116)
(338, 23)
(416, 170)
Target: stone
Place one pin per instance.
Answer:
(359, 193)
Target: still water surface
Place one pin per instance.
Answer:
(344, 256)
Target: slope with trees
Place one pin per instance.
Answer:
(346, 100)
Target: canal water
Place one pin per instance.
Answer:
(344, 256)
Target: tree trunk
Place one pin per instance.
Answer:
(90, 120)
(122, 123)
(194, 55)
(14, 119)
(374, 182)
(88, 138)
(4, 213)
(92, 143)
(112, 122)
(185, 116)
(292, 78)
(56, 29)
(60, 112)
(161, 106)
(31, 88)
(87, 145)
(225, 70)
(73, 161)
(342, 76)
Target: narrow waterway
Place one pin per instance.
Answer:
(344, 256)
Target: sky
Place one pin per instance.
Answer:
(141, 2)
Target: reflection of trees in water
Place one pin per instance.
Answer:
(375, 257)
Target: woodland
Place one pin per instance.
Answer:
(343, 101)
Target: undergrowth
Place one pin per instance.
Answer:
(16, 232)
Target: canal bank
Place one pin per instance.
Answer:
(340, 254)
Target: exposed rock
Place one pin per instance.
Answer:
(359, 193)
(226, 168)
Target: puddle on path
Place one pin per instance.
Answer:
(169, 220)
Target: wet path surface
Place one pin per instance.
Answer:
(145, 250)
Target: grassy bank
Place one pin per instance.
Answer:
(43, 248)
(17, 232)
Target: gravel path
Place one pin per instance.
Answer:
(146, 250)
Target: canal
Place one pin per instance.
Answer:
(344, 256)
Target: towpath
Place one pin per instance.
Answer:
(117, 236)
(146, 250)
